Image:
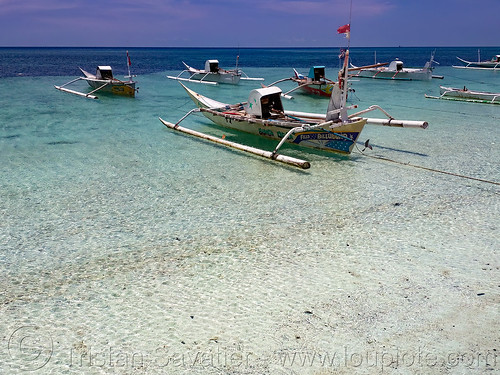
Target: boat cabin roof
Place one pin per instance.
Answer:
(104, 72)
(496, 58)
(395, 65)
(263, 102)
(316, 73)
(212, 66)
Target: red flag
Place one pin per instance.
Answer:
(128, 58)
(344, 29)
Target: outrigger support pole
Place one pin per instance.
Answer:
(372, 108)
(97, 89)
(74, 80)
(285, 94)
(63, 88)
(183, 117)
(278, 81)
(302, 128)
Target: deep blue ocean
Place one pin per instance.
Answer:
(64, 61)
(127, 248)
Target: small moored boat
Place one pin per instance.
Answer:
(396, 71)
(314, 84)
(103, 81)
(213, 74)
(466, 95)
(493, 64)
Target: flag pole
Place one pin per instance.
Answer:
(348, 44)
(347, 30)
(128, 66)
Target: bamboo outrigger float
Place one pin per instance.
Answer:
(103, 81)
(263, 114)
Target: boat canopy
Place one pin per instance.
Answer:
(395, 65)
(104, 72)
(317, 73)
(212, 66)
(263, 102)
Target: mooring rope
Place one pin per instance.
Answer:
(427, 168)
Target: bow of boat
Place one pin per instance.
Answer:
(202, 101)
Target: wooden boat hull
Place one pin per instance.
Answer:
(125, 88)
(324, 90)
(340, 139)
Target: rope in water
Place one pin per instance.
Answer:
(428, 169)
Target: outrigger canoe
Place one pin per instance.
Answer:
(264, 115)
(466, 95)
(103, 81)
(493, 64)
(396, 71)
(213, 74)
(315, 83)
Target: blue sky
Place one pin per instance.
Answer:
(249, 23)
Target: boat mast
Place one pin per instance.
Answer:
(337, 106)
(128, 66)
(346, 66)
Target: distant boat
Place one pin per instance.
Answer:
(213, 74)
(396, 71)
(466, 95)
(492, 64)
(315, 83)
(103, 81)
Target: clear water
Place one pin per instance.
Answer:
(126, 248)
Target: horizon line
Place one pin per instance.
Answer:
(256, 47)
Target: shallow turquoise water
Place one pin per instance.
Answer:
(128, 248)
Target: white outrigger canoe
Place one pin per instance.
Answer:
(466, 95)
(493, 64)
(396, 71)
(102, 81)
(263, 114)
(213, 74)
